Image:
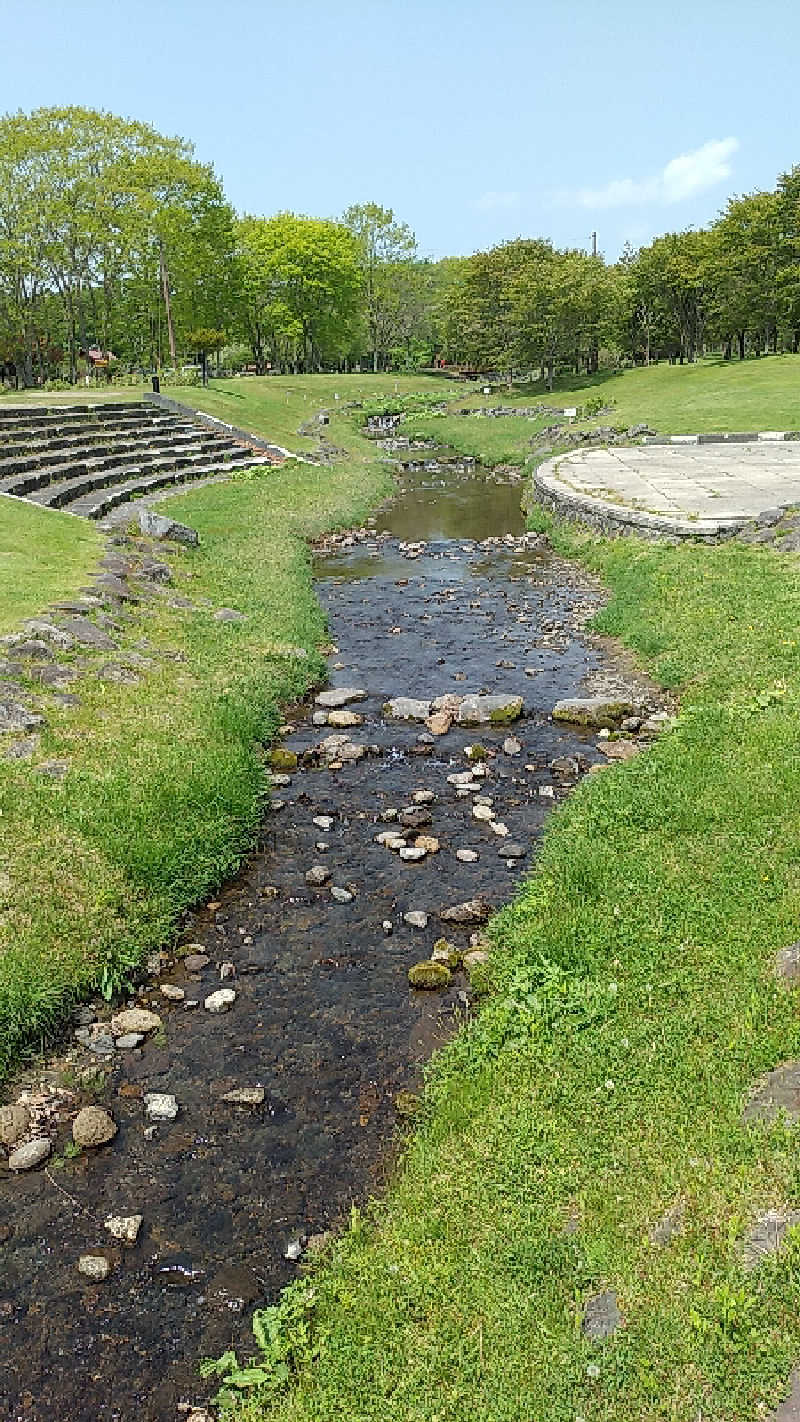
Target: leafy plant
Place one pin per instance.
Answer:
(283, 1336)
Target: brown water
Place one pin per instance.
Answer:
(324, 1019)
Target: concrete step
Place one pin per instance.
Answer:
(98, 474)
(37, 470)
(28, 440)
(47, 413)
(97, 505)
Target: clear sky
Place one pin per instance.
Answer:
(476, 121)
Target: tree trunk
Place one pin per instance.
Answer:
(728, 349)
(740, 336)
(167, 302)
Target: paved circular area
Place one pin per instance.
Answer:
(693, 490)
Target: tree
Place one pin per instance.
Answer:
(386, 249)
(301, 282)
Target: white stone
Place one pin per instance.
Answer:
(467, 856)
(160, 1106)
(28, 1156)
(415, 918)
(412, 855)
(482, 812)
(124, 1227)
(220, 1001)
(341, 896)
(94, 1267)
(339, 696)
(134, 1019)
(323, 822)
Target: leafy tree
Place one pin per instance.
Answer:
(386, 250)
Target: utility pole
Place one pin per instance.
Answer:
(167, 304)
(594, 244)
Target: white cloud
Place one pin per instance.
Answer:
(681, 178)
(496, 202)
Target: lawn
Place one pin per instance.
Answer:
(44, 555)
(166, 780)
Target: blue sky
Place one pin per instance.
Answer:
(476, 122)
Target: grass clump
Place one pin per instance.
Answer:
(44, 555)
(600, 1089)
(166, 780)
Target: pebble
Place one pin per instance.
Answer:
(388, 815)
(134, 1019)
(124, 1227)
(246, 1096)
(428, 842)
(339, 696)
(343, 719)
(195, 962)
(319, 718)
(93, 1127)
(293, 1251)
(423, 797)
(129, 1041)
(281, 780)
(220, 1000)
(413, 855)
(27, 1157)
(341, 896)
(94, 1267)
(317, 876)
(511, 746)
(323, 822)
(482, 812)
(497, 827)
(416, 918)
(96, 1038)
(171, 992)
(387, 925)
(467, 856)
(160, 1106)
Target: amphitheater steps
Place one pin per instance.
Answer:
(88, 459)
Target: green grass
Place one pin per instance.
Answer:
(44, 555)
(167, 780)
(709, 397)
(632, 1007)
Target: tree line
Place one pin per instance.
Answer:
(119, 248)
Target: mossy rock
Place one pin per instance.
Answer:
(446, 952)
(429, 975)
(407, 1104)
(477, 753)
(282, 760)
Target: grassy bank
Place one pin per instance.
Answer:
(43, 555)
(165, 779)
(602, 1086)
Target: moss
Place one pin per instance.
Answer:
(282, 760)
(446, 952)
(429, 975)
(477, 752)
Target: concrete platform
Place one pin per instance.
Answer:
(686, 490)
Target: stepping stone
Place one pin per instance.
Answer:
(595, 711)
(767, 1235)
(601, 1316)
(787, 964)
(89, 634)
(776, 1093)
(789, 1409)
(339, 696)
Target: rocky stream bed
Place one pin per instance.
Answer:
(263, 1095)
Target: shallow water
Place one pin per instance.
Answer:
(324, 1019)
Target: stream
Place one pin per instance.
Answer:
(324, 1031)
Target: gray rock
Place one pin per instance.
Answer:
(472, 911)
(512, 851)
(670, 1224)
(467, 856)
(416, 918)
(789, 1409)
(317, 876)
(595, 711)
(22, 750)
(14, 1123)
(16, 717)
(323, 822)
(406, 708)
(339, 696)
(51, 633)
(154, 572)
(134, 1019)
(195, 962)
(787, 963)
(28, 1156)
(160, 1106)
(129, 1041)
(767, 1235)
(601, 1316)
(341, 896)
(489, 710)
(511, 746)
(155, 525)
(220, 1001)
(319, 718)
(96, 1038)
(94, 1267)
(778, 1093)
(229, 614)
(82, 630)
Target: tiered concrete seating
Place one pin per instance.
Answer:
(88, 459)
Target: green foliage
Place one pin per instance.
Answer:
(283, 1337)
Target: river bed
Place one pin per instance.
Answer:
(324, 1022)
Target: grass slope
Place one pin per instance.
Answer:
(166, 780)
(44, 555)
(601, 1089)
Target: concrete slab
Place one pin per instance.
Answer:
(689, 491)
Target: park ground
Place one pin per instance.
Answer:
(632, 1001)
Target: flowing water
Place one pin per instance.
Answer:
(324, 1020)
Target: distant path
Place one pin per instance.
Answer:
(685, 489)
